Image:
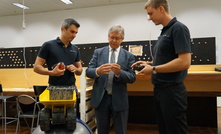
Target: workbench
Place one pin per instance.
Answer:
(203, 86)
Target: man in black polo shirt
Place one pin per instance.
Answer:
(60, 50)
(171, 59)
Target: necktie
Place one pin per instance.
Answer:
(111, 75)
(112, 59)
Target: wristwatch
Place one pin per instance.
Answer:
(154, 70)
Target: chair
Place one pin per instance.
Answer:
(4, 100)
(27, 107)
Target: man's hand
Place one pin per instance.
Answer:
(57, 71)
(104, 69)
(141, 63)
(71, 68)
(116, 69)
(147, 67)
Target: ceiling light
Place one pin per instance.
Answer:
(67, 1)
(20, 5)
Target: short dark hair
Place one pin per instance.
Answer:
(70, 21)
(157, 3)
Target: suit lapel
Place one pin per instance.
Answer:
(121, 56)
(106, 54)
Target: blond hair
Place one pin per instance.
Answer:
(157, 3)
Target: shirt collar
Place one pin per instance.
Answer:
(174, 20)
(117, 50)
(61, 43)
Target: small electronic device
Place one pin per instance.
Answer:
(61, 66)
(218, 69)
(138, 68)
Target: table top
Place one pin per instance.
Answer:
(18, 90)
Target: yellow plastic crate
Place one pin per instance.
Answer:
(49, 102)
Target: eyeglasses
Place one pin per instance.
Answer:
(115, 38)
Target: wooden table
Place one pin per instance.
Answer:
(203, 86)
(18, 91)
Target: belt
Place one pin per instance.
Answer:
(166, 85)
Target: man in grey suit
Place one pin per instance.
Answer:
(111, 74)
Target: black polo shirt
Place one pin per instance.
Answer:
(174, 39)
(54, 52)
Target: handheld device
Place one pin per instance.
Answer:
(138, 68)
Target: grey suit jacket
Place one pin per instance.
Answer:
(119, 90)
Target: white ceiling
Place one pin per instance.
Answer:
(36, 6)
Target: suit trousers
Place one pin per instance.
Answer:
(103, 114)
(171, 106)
